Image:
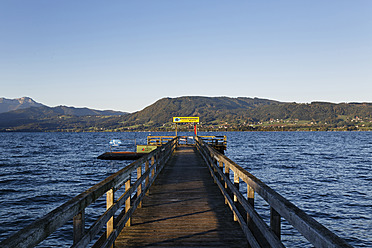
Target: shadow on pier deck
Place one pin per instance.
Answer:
(184, 208)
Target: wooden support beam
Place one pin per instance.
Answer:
(127, 201)
(139, 189)
(275, 222)
(227, 173)
(220, 163)
(152, 163)
(250, 197)
(147, 178)
(236, 184)
(214, 169)
(79, 226)
(109, 203)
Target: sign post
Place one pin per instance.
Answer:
(187, 120)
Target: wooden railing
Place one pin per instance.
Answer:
(214, 140)
(159, 140)
(217, 142)
(251, 222)
(146, 169)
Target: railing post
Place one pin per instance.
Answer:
(161, 157)
(79, 226)
(220, 163)
(127, 201)
(157, 157)
(250, 197)
(152, 174)
(275, 221)
(109, 203)
(236, 184)
(153, 169)
(214, 162)
(227, 174)
(139, 189)
(147, 178)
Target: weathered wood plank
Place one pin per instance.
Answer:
(184, 209)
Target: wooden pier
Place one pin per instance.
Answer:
(184, 208)
(179, 195)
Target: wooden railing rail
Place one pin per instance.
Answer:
(217, 142)
(186, 140)
(214, 140)
(74, 209)
(220, 167)
(159, 140)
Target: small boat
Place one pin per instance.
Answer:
(125, 155)
(121, 155)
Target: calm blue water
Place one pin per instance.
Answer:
(327, 174)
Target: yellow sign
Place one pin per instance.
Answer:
(185, 119)
(145, 148)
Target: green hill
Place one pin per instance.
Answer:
(209, 109)
(216, 113)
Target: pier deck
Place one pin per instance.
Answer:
(184, 208)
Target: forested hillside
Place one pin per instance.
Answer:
(216, 113)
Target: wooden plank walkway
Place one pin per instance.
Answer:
(184, 209)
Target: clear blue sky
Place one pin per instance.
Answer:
(125, 55)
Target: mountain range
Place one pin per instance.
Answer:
(7, 105)
(240, 113)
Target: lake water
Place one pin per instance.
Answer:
(326, 174)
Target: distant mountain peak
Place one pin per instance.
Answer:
(7, 105)
(26, 99)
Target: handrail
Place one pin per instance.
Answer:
(213, 139)
(40, 229)
(159, 140)
(312, 230)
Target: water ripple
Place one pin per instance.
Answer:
(327, 174)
